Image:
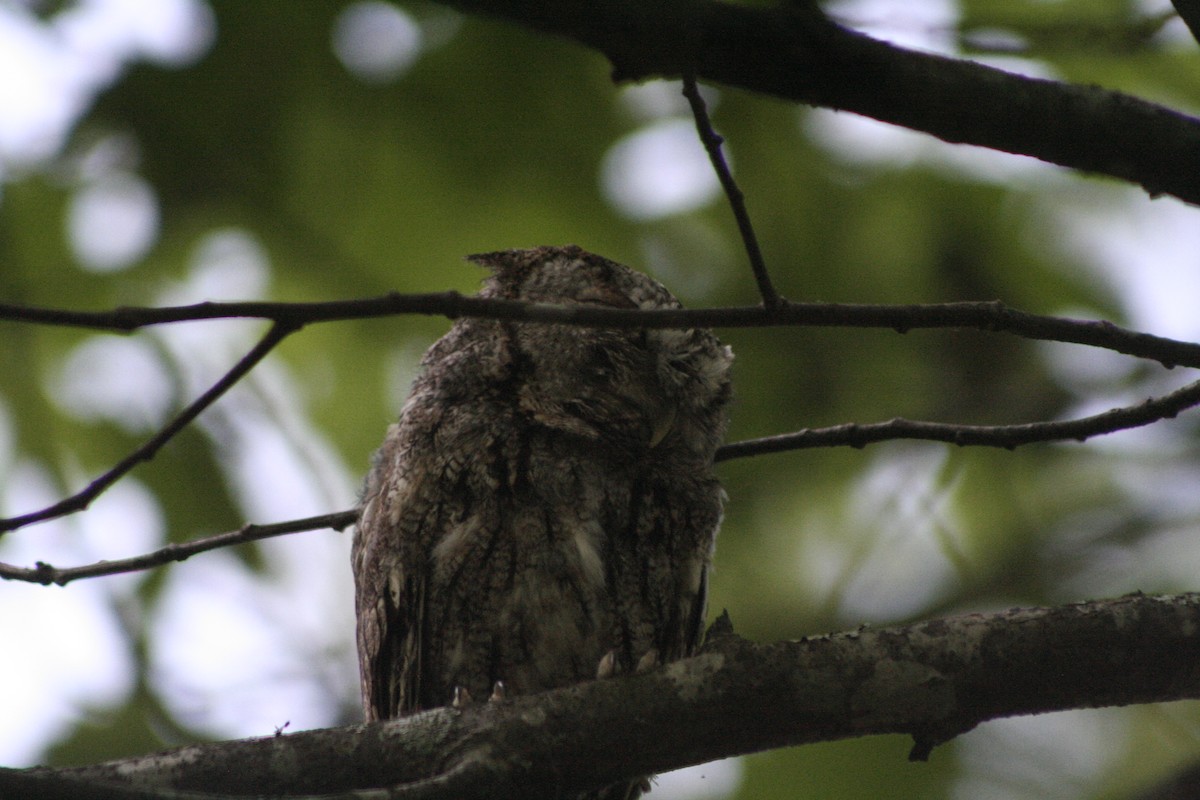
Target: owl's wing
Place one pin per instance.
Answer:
(695, 613)
(415, 502)
(389, 591)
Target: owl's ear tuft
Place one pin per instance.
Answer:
(516, 263)
(494, 261)
(511, 268)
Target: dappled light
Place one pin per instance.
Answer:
(230, 231)
(376, 41)
(658, 171)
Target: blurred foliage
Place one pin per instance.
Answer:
(494, 138)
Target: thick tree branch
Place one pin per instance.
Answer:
(932, 680)
(793, 51)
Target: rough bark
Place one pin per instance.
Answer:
(795, 52)
(931, 680)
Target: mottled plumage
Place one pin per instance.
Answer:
(546, 498)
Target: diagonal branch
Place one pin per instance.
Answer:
(47, 574)
(793, 51)
(931, 680)
(737, 201)
(1006, 436)
(850, 434)
(83, 498)
(988, 316)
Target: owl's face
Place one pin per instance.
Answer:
(626, 387)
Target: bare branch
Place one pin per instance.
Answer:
(988, 315)
(850, 434)
(1007, 436)
(1189, 12)
(47, 574)
(737, 201)
(932, 680)
(82, 499)
(793, 51)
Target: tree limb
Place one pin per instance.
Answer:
(1008, 437)
(847, 435)
(986, 315)
(931, 680)
(793, 51)
(290, 317)
(47, 574)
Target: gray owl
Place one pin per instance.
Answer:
(545, 510)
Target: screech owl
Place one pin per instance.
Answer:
(546, 501)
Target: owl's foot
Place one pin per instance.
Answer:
(462, 698)
(607, 666)
(648, 661)
(499, 692)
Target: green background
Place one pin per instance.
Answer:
(497, 137)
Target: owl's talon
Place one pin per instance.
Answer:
(648, 661)
(499, 692)
(462, 698)
(607, 666)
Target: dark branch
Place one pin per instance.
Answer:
(851, 435)
(991, 315)
(792, 50)
(931, 680)
(1006, 436)
(737, 201)
(82, 499)
(46, 574)
(1189, 12)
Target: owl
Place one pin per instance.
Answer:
(545, 510)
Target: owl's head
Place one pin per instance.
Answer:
(634, 388)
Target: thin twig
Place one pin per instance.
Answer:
(1005, 436)
(289, 317)
(737, 201)
(82, 499)
(849, 435)
(47, 574)
(986, 315)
